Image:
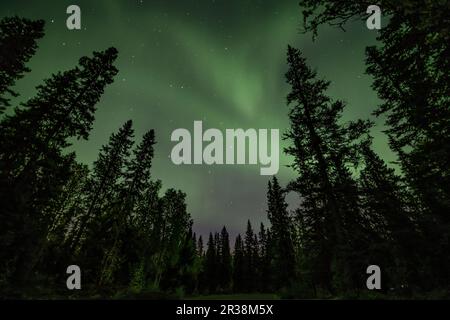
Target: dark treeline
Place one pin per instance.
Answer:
(239, 270)
(112, 219)
(129, 237)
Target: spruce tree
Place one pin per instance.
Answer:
(211, 265)
(202, 281)
(34, 165)
(96, 224)
(225, 271)
(395, 242)
(63, 212)
(239, 265)
(408, 66)
(136, 179)
(148, 225)
(283, 254)
(251, 258)
(18, 43)
(323, 149)
(200, 250)
(184, 271)
(63, 108)
(176, 224)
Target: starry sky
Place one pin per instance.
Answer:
(222, 62)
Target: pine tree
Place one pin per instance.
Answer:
(136, 179)
(194, 240)
(34, 166)
(137, 175)
(63, 212)
(408, 69)
(250, 260)
(266, 253)
(238, 265)
(200, 250)
(386, 203)
(177, 222)
(218, 245)
(185, 273)
(323, 149)
(263, 240)
(211, 265)
(63, 108)
(201, 257)
(146, 243)
(18, 43)
(224, 266)
(409, 78)
(282, 235)
(96, 224)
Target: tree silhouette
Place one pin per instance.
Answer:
(224, 271)
(323, 149)
(136, 180)
(177, 222)
(251, 259)
(211, 264)
(283, 254)
(98, 222)
(238, 265)
(18, 43)
(394, 238)
(33, 166)
(265, 254)
(111, 218)
(407, 68)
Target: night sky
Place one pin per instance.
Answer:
(222, 62)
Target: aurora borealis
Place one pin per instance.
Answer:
(222, 62)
